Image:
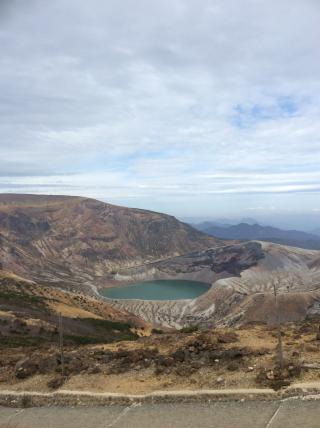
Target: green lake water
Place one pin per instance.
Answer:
(158, 290)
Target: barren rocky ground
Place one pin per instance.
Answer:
(219, 358)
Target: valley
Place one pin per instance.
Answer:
(58, 254)
(81, 246)
(243, 278)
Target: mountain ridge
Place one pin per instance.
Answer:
(72, 240)
(245, 231)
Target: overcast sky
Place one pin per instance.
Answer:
(192, 107)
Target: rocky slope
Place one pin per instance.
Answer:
(29, 316)
(215, 359)
(76, 242)
(243, 278)
(81, 245)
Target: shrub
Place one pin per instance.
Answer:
(156, 331)
(189, 329)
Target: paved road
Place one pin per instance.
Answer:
(294, 413)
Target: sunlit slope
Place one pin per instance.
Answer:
(77, 242)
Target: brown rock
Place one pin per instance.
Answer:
(94, 370)
(233, 366)
(25, 368)
(270, 375)
(179, 355)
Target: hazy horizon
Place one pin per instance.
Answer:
(196, 109)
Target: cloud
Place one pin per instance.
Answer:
(138, 100)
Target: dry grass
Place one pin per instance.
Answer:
(8, 425)
(299, 344)
(71, 311)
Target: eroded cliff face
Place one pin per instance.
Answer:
(243, 278)
(79, 243)
(207, 265)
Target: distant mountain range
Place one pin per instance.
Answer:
(222, 221)
(316, 232)
(245, 231)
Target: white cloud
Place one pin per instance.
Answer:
(161, 100)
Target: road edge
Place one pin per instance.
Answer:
(66, 398)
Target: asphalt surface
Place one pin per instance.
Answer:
(248, 414)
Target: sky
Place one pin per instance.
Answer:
(195, 108)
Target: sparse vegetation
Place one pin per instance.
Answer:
(156, 331)
(219, 358)
(32, 318)
(21, 298)
(12, 341)
(56, 382)
(104, 331)
(8, 425)
(189, 329)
